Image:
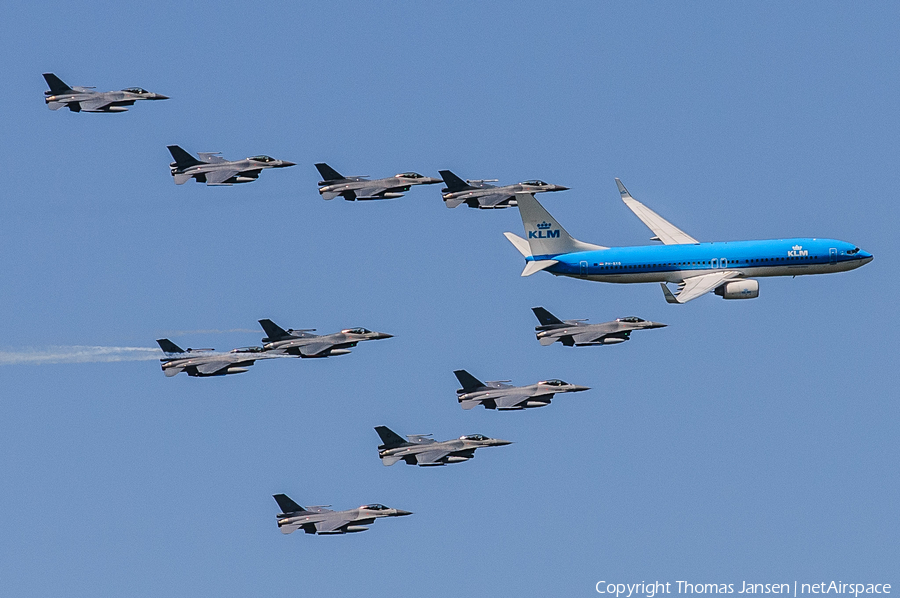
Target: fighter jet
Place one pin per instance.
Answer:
(575, 333)
(419, 449)
(302, 343)
(322, 521)
(208, 362)
(505, 397)
(84, 99)
(480, 194)
(213, 169)
(351, 188)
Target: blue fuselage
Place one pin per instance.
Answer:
(674, 263)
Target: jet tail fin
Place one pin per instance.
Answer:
(286, 504)
(328, 173)
(545, 317)
(468, 381)
(56, 84)
(181, 157)
(388, 437)
(546, 236)
(273, 330)
(453, 182)
(168, 346)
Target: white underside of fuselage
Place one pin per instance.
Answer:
(677, 276)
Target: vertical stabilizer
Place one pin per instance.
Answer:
(286, 504)
(389, 438)
(168, 346)
(328, 173)
(56, 85)
(544, 234)
(454, 183)
(273, 331)
(545, 317)
(181, 157)
(468, 381)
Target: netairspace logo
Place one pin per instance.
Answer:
(78, 354)
(650, 589)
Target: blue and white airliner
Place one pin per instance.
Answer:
(698, 268)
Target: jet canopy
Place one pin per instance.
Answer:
(535, 182)
(554, 382)
(374, 507)
(261, 158)
(632, 319)
(473, 437)
(356, 331)
(409, 175)
(136, 90)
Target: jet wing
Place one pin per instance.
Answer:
(495, 199)
(217, 177)
(211, 367)
(510, 401)
(588, 337)
(664, 230)
(314, 348)
(429, 457)
(211, 157)
(695, 286)
(97, 104)
(372, 191)
(332, 525)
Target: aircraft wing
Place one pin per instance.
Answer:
(429, 457)
(372, 191)
(96, 104)
(588, 337)
(332, 524)
(695, 286)
(510, 401)
(217, 177)
(664, 230)
(211, 367)
(211, 157)
(495, 199)
(311, 349)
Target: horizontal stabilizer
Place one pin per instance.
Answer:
(537, 266)
(470, 404)
(452, 203)
(390, 460)
(181, 179)
(546, 340)
(519, 243)
(55, 105)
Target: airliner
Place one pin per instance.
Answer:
(724, 268)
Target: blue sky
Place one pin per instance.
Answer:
(748, 440)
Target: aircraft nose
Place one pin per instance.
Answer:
(577, 388)
(382, 335)
(498, 442)
(285, 164)
(560, 188)
(657, 325)
(401, 512)
(159, 96)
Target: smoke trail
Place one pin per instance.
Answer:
(78, 354)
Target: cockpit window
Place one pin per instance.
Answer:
(374, 507)
(633, 319)
(135, 90)
(410, 175)
(852, 251)
(474, 437)
(554, 382)
(535, 182)
(356, 331)
(261, 158)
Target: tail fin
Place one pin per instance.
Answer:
(453, 182)
(56, 85)
(545, 317)
(328, 173)
(182, 158)
(286, 504)
(546, 236)
(273, 331)
(468, 381)
(389, 437)
(168, 346)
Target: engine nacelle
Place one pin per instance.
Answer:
(739, 289)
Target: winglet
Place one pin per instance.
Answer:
(670, 298)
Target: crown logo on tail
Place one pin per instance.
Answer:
(543, 225)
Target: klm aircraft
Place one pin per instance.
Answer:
(697, 268)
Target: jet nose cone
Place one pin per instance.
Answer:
(402, 513)
(498, 442)
(657, 325)
(577, 388)
(159, 96)
(382, 335)
(560, 188)
(285, 164)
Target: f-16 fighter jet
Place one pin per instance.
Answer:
(207, 362)
(322, 521)
(85, 99)
(726, 269)
(505, 397)
(351, 188)
(480, 194)
(302, 343)
(421, 450)
(213, 169)
(575, 333)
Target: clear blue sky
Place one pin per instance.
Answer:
(748, 440)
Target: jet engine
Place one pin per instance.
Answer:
(739, 289)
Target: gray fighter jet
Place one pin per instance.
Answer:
(85, 99)
(505, 397)
(480, 194)
(208, 362)
(575, 333)
(421, 450)
(322, 521)
(213, 169)
(334, 184)
(302, 343)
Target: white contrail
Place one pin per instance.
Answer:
(78, 354)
